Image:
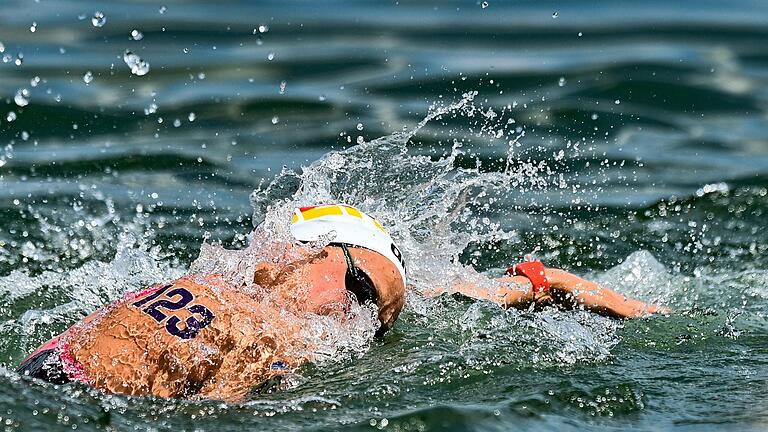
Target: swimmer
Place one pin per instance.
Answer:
(202, 337)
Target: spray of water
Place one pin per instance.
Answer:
(434, 205)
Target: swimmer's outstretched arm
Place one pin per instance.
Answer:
(566, 290)
(571, 291)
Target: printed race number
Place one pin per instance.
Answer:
(177, 299)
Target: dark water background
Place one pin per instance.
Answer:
(666, 100)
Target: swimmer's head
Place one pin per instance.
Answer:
(376, 252)
(348, 225)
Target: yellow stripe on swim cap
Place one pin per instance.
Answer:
(378, 225)
(353, 212)
(317, 212)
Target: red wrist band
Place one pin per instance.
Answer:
(534, 271)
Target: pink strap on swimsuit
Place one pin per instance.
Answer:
(74, 370)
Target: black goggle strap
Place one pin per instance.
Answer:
(351, 268)
(355, 278)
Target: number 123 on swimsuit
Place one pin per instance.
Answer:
(165, 306)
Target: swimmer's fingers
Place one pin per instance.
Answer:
(647, 310)
(659, 310)
(543, 300)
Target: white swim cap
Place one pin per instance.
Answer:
(351, 226)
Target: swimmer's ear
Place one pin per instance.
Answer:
(264, 274)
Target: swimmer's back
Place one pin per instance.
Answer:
(196, 336)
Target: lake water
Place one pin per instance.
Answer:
(624, 141)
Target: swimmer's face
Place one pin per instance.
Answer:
(387, 280)
(322, 281)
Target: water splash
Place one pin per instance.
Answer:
(138, 66)
(98, 19)
(22, 97)
(325, 338)
(421, 200)
(150, 109)
(435, 207)
(72, 295)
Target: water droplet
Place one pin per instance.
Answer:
(98, 19)
(359, 126)
(259, 42)
(360, 139)
(19, 59)
(186, 50)
(137, 35)
(271, 56)
(11, 116)
(80, 17)
(191, 117)
(321, 98)
(138, 66)
(2, 47)
(22, 97)
(594, 116)
(554, 15)
(62, 50)
(151, 109)
(176, 123)
(162, 9)
(88, 77)
(24, 135)
(484, 4)
(275, 119)
(33, 27)
(7, 58)
(34, 81)
(581, 34)
(617, 101)
(263, 28)
(282, 87)
(561, 82)
(201, 76)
